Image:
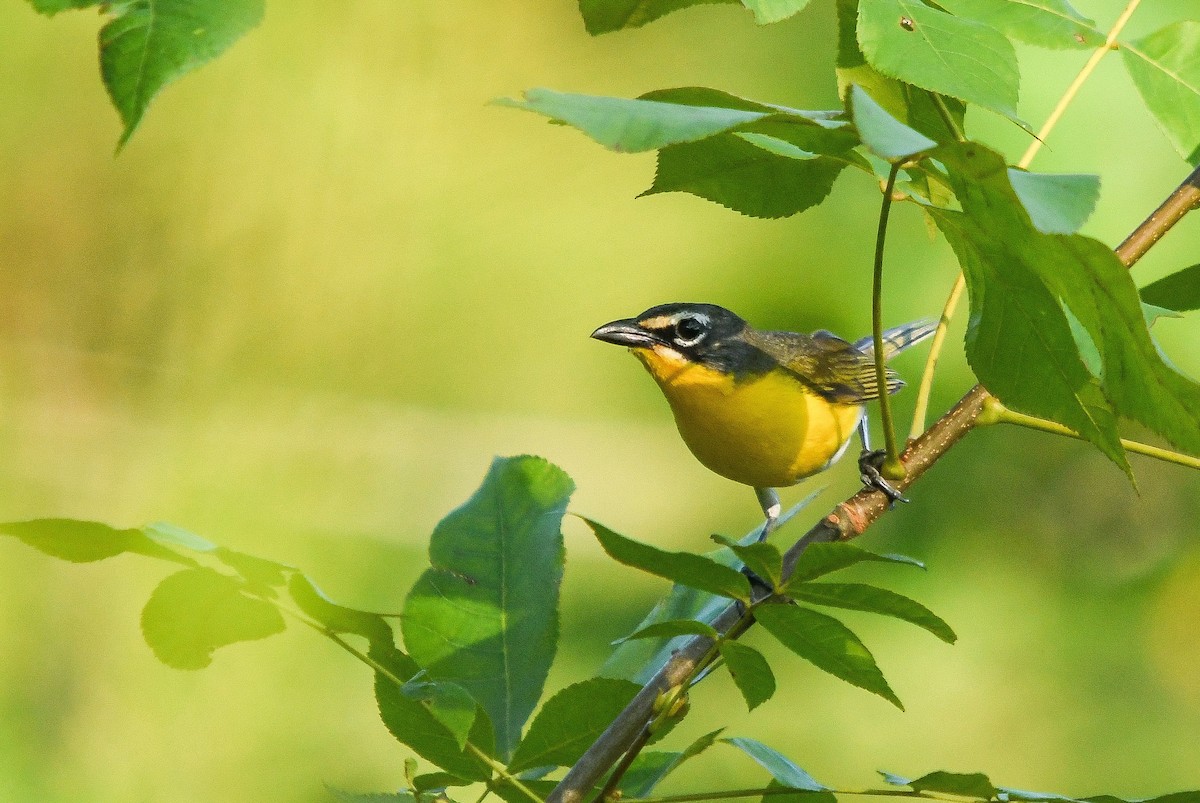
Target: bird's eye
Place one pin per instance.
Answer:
(689, 331)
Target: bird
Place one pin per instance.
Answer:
(763, 408)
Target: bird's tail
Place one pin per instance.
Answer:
(898, 338)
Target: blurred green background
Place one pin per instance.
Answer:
(326, 282)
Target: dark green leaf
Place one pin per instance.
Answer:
(605, 16)
(974, 784)
(1165, 67)
(883, 134)
(486, 614)
(782, 768)
(647, 771)
(686, 568)
(1040, 301)
(149, 43)
(1179, 291)
(511, 794)
(859, 597)
(1046, 23)
(760, 557)
(827, 644)
(411, 722)
(750, 672)
(768, 11)
(193, 612)
(1056, 203)
(672, 628)
(909, 41)
(449, 703)
(433, 781)
(338, 618)
(570, 721)
(52, 7)
(821, 559)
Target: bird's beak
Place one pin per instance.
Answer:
(625, 332)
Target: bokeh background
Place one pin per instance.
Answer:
(326, 282)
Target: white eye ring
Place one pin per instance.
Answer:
(698, 323)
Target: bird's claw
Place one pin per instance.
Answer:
(868, 469)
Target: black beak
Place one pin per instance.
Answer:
(625, 332)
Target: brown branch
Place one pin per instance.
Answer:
(849, 519)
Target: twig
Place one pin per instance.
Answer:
(925, 390)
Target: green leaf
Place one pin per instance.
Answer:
(1180, 291)
(750, 672)
(338, 618)
(449, 703)
(768, 11)
(1046, 23)
(412, 723)
(860, 597)
(821, 559)
(86, 541)
(193, 612)
(52, 7)
(974, 784)
(1173, 797)
(883, 134)
(650, 768)
(672, 628)
(1165, 67)
(1026, 287)
(1057, 203)
(149, 43)
(909, 41)
(570, 721)
(827, 644)
(605, 16)
(486, 614)
(760, 557)
(781, 768)
(342, 796)
(687, 568)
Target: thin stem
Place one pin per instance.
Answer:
(921, 410)
(995, 412)
(885, 407)
(943, 110)
(1073, 89)
(503, 773)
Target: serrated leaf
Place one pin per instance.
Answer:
(909, 41)
(1023, 284)
(827, 644)
(1165, 67)
(1046, 23)
(750, 671)
(411, 722)
(781, 768)
(883, 134)
(449, 703)
(686, 568)
(193, 612)
(1057, 203)
(768, 11)
(486, 614)
(149, 43)
(605, 16)
(760, 557)
(860, 597)
(672, 628)
(1180, 291)
(570, 721)
(820, 559)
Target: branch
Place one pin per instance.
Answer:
(849, 519)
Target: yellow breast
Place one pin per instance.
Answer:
(767, 431)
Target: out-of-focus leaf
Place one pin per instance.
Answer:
(818, 560)
(342, 796)
(768, 11)
(338, 618)
(687, 568)
(973, 784)
(52, 7)
(1165, 67)
(827, 644)
(149, 43)
(761, 557)
(860, 597)
(1057, 203)
(605, 16)
(570, 721)
(1180, 291)
(750, 672)
(883, 134)
(86, 541)
(1046, 23)
(781, 768)
(449, 703)
(193, 612)
(486, 614)
(909, 41)
(1173, 797)
(672, 628)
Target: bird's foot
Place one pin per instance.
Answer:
(869, 464)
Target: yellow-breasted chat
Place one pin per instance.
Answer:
(762, 408)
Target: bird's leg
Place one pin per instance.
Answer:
(869, 463)
(771, 508)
